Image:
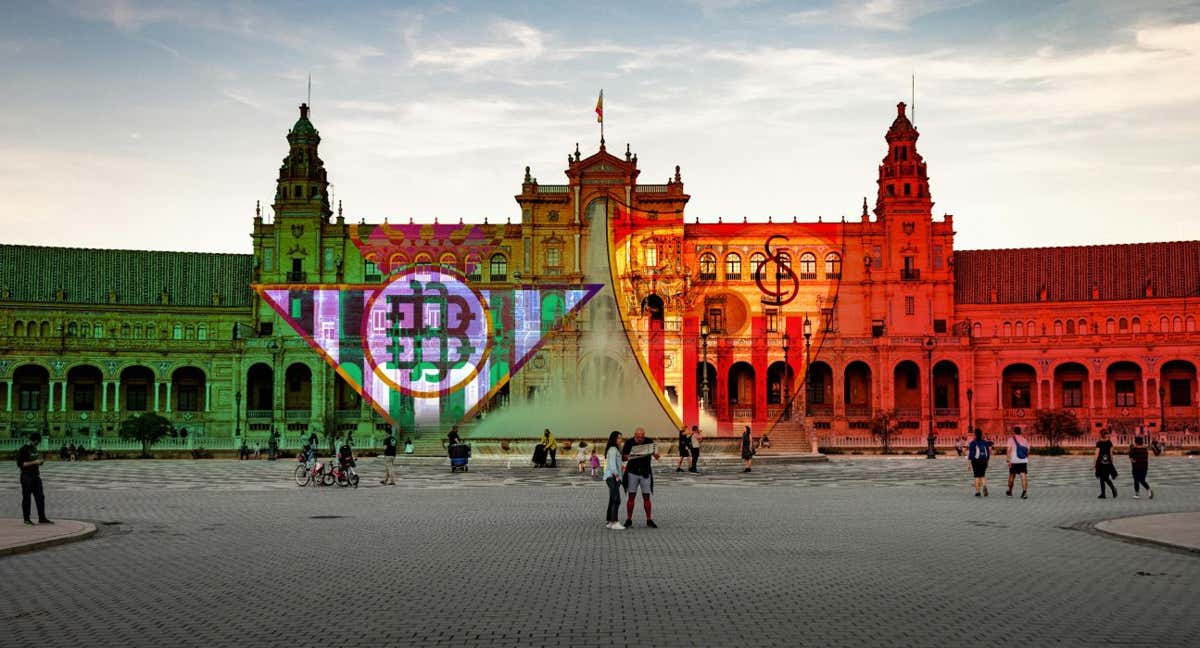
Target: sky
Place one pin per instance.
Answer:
(134, 124)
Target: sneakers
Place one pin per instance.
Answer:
(677, 469)
(28, 523)
(985, 491)
(1135, 496)
(1008, 492)
(616, 526)
(1151, 493)
(651, 524)
(978, 494)
(1024, 495)
(1102, 496)
(628, 523)
(45, 521)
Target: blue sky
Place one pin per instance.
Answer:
(158, 125)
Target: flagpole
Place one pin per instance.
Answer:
(602, 118)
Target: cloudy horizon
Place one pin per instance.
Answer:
(158, 125)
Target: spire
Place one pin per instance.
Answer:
(303, 187)
(903, 179)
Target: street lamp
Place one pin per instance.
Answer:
(970, 411)
(931, 452)
(807, 376)
(787, 382)
(237, 415)
(1162, 411)
(704, 366)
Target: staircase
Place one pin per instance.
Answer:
(788, 441)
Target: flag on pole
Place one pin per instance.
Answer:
(600, 108)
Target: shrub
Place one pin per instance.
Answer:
(201, 453)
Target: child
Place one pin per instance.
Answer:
(594, 461)
(582, 455)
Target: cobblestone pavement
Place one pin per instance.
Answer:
(853, 552)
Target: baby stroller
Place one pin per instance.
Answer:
(539, 456)
(459, 453)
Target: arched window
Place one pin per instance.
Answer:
(708, 266)
(1177, 324)
(189, 333)
(978, 329)
(1136, 324)
(1110, 326)
(733, 266)
(808, 266)
(499, 268)
(125, 331)
(757, 260)
(177, 333)
(1190, 325)
(1083, 327)
(833, 266)
(785, 261)
(151, 333)
(201, 332)
(423, 261)
(1030, 328)
(1070, 327)
(296, 192)
(448, 260)
(1164, 324)
(1123, 325)
(1007, 329)
(98, 331)
(1058, 328)
(19, 329)
(72, 330)
(1020, 329)
(85, 329)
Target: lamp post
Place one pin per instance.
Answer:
(970, 411)
(237, 415)
(807, 376)
(786, 381)
(1162, 411)
(704, 365)
(931, 452)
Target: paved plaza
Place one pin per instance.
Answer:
(850, 552)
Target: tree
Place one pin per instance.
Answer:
(147, 428)
(1056, 425)
(883, 426)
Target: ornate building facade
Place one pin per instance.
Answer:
(765, 324)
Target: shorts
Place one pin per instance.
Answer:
(634, 482)
(1018, 468)
(979, 467)
(684, 452)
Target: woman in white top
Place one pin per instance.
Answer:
(613, 476)
(581, 455)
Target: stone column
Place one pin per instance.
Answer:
(50, 397)
(117, 396)
(168, 397)
(156, 386)
(103, 395)
(207, 396)
(62, 403)
(8, 396)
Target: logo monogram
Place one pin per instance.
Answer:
(779, 296)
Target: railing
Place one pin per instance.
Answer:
(733, 277)
(259, 414)
(945, 412)
(1174, 440)
(708, 276)
(297, 414)
(808, 276)
(743, 413)
(552, 189)
(858, 411)
(820, 410)
(1018, 412)
(347, 415)
(296, 277)
(908, 413)
(910, 274)
(652, 188)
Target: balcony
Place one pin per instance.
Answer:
(808, 276)
(733, 277)
(910, 274)
(347, 414)
(908, 413)
(821, 410)
(858, 411)
(297, 414)
(743, 413)
(297, 277)
(945, 412)
(258, 414)
(708, 276)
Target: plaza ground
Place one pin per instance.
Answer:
(851, 552)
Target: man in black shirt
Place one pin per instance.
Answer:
(389, 460)
(639, 475)
(29, 462)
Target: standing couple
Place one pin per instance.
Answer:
(623, 464)
(689, 446)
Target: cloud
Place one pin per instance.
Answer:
(511, 42)
(886, 15)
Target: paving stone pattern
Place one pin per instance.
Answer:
(853, 552)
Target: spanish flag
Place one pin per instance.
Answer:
(600, 108)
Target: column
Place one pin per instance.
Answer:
(1037, 401)
(103, 395)
(207, 396)
(168, 397)
(116, 396)
(62, 403)
(1145, 392)
(50, 397)
(156, 385)
(8, 396)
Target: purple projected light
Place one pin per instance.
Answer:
(427, 333)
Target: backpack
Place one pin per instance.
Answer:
(981, 450)
(1022, 451)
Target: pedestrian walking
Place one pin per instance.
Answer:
(594, 462)
(747, 450)
(551, 445)
(613, 477)
(30, 462)
(639, 474)
(389, 460)
(1105, 469)
(581, 456)
(1139, 464)
(959, 446)
(694, 444)
(1017, 458)
(978, 453)
(685, 448)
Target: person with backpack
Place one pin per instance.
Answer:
(1105, 470)
(30, 462)
(389, 460)
(1017, 458)
(1139, 463)
(978, 452)
(685, 448)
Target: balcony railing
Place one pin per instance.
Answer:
(297, 277)
(258, 414)
(733, 277)
(347, 415)
(945, 412)
(910, 274)
(858, 411)
(908, 413)
(708, 276)
(820, 409)
(297, 414)
(743, 412)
